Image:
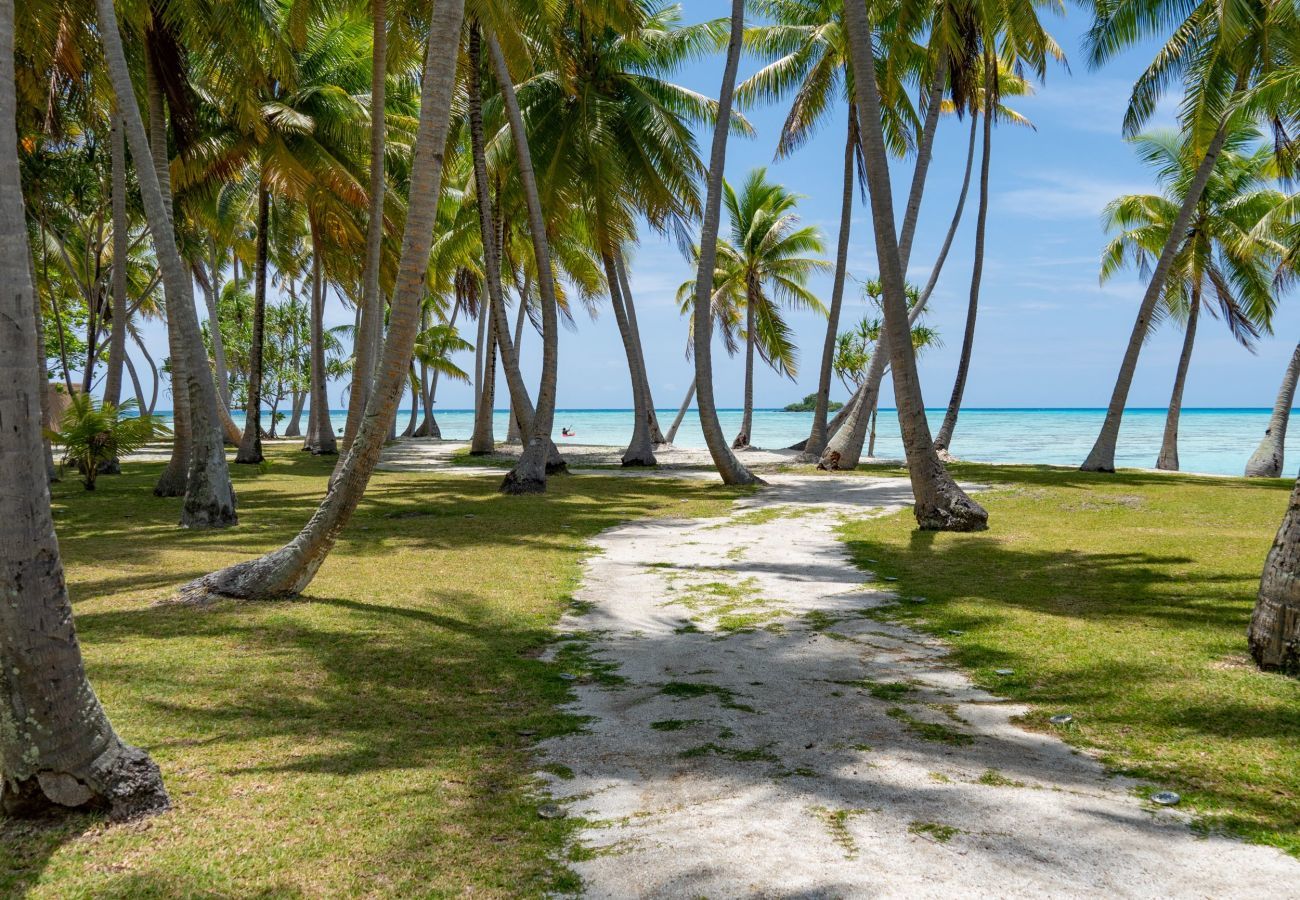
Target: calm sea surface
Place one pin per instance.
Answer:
(1216, 441)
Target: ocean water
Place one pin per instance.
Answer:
(1211, 441)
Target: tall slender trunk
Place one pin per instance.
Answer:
(209, 497)
(290, 569)
(747, 416)
(297, 399)
(175, 475)
(643, 373)
(944, 439)
(1168, 458)
(369, 335)
(207, 282)
(844, 447)
(415, 404)
(43, 373)
(117, 343)
(940, 503)
(57, 747)
(681, 413)
(924, 153)
(730, 468)
(250, 447)
(432, 396)
(1274, 631)
(1266, 461)
(320, 439)
(817, 437)
(153, 371)
(871, 443)
(213, 298)
(513, 431)
(482, 441)
(540, 457)
(135, 383)
(1102, 456)
(640, 450)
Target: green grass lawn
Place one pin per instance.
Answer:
(1122, 599)
(362, 741)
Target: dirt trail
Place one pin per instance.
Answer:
(753, 734)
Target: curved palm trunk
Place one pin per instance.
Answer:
(212, 296)
(1102, 456)
(817, 437)
(209, 497)
(640, 451)
(1266, 461)
(944, 439)
(370, 335)
(57, 747)
(1168, 458)
(681, 414)
(741, 441)
(250, 446)
(290, 569)
(924, 153)
(207, 282)
(1274, 631)
(625, 285)
(117, 342)
(320, 440)
(540, 457)
(729, 467)
(294, 428)
(940, 503)
(849, 428)
(521, 403)
(431, 396)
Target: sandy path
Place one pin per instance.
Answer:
(752, 749)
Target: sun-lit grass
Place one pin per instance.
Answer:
(1123, 600)
(365, 740)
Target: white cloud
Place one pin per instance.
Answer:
(1064, 195)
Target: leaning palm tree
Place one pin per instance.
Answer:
(1219, 49)
(1220, 255)
(290, 569)
(764, 267)
(730, 468)
(1266, 461)
(940, 503)
(57, 748)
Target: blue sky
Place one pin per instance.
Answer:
(1048, 334)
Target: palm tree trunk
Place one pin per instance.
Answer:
(812, 448)
(207, 283)
(1266, 461)
(520, 402)
(1102, 456)
(513, 431)
(66, 753)
(924, 153)
(871, 443)
(153, 371)
(320, 430)
(482, 442)
(290, 569)
(209, 497)
(747, 416)
(213, 298)
(296, 402)
(730, 468)
(1274, 632)
(250, 447)
(369, 336)
(1168, 458)
(431, 397)
(415, 404)
(844, 446)
(117, 343)
(640, 450)
(43, 373)
(940, 503)
(681, 413)
(643, 373)
(540, 456)
(944, 439)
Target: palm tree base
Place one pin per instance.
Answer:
(644, 462)
(557, 467)
(128, 785)
(516, 483)
(959, 513)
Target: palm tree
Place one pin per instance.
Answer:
(763, 267)
(1220, 50)
(1266, 461)
(209, 497)
(290, 569)
(1219, 255)
(940, 503)
(66, 753)
(999, 79)
(730, 468)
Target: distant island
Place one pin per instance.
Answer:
(809, 403)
